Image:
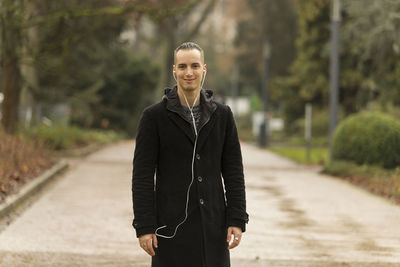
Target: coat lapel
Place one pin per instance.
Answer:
(207, 120)
(205, 131)
(183, 125)
(175, 114)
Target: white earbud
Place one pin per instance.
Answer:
(204, 78)
(173, 74)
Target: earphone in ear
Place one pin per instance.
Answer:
(204, 78)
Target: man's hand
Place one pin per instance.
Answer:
(146, 242)
(236, 232)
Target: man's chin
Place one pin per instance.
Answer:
(189, 88)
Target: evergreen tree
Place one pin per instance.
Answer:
(309, 73)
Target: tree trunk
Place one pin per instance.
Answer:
(29, 49)
(167, 28)
(11, 74)
(169, 58)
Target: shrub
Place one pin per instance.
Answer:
(59, 137)
(368, 137)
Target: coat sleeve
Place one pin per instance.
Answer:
(144, 166)
(232, 172)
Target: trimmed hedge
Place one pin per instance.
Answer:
(370, 138)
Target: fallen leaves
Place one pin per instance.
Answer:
(20, 161)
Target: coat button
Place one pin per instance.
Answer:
(197, 156)
(201, 201)
(200, 179)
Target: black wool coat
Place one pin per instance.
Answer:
(164, 146)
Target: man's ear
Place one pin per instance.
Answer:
(205, 67)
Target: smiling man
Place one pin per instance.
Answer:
(194, 209)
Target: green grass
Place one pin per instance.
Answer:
(300, 141)
(317, 155)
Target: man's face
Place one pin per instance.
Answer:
(189, 69)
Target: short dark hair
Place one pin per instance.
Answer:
(189, 46)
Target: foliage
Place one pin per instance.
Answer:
(64, 45)
(272, 20)
(128, 87)
(96, 74)
(371, 138)
(61, 137)
(370, 35)
(369, 57)
(308, 80)
(70, 57)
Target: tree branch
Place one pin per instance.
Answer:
(154, 13)
(207, 10)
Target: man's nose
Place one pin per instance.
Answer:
(189, 71)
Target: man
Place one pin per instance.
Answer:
(188, 215)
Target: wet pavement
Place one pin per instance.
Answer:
(298, 217)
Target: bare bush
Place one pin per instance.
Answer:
(20, 160)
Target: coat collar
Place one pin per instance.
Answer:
(208, 107)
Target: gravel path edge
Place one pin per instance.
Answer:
(14, 201)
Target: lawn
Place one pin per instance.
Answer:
(318, 155)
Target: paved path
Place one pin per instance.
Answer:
(297, 218)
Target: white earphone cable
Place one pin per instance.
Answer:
(191, 182)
